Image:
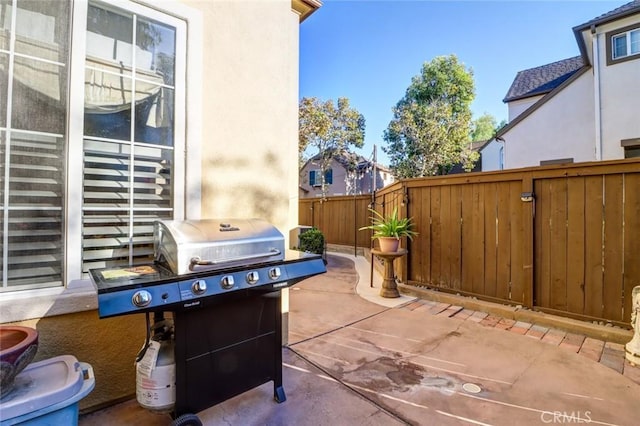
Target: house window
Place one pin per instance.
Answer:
(34, 69)
(623, 44)
(315, 180)
(632, 152)
(626, 44)
(556, 161)
(631, 147)
(118, 163)
(128, 134)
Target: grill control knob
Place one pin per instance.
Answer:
(199, 287)
(141, 298)
(274, 273)
(227, 282)
(253, 277)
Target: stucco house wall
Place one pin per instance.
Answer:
(521, 105)
(491, 156)
(619, 94)
(243, 113)
(561, 128)
(585, 114)
(250, 126)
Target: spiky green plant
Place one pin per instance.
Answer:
(390, 226)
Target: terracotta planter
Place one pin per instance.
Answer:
(389, 244)
(18, 346)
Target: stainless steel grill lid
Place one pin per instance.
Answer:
(196, 245)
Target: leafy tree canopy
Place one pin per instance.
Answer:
(483, 128)
(444, 79)
(328, 129)
(431, 124)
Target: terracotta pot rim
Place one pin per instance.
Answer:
(30, 338)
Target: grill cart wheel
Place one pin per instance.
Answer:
(187, 420)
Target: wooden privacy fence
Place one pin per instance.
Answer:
(339, 218)
(560, 239)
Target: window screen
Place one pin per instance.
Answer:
(620, 46)
(34, 57)
(634, 38)
(128, 135)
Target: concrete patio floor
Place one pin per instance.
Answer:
(354, 358)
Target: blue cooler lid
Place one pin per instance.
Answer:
(42, 384)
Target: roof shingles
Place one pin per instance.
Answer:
(542, 79)
(614, 14)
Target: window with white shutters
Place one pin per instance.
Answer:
(85, 195)
(128, 135)
(33, 100)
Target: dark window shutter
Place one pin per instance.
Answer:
(328, 177)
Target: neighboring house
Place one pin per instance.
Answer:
(492, 155)
(343, 177)
(115, 113)
(578, 109)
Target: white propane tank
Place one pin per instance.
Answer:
(157, 391)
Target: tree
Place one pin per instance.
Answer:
(483, 128)
(429, 132)
(331, 129)
(420, 140)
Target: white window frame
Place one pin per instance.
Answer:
(627, 37)
(76, 113)
(78, 294)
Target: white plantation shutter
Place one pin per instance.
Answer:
(33, 225)
(122, 198)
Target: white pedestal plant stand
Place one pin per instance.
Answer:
(632, 349)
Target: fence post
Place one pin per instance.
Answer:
(528, 238)
(404, 213)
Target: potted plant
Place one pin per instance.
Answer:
(389, 229)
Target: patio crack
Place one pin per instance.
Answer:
(339, 328)
(438, 341)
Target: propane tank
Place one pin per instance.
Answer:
(156, 371)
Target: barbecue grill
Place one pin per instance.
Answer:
(220, 280)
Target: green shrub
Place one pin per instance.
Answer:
(312, 241)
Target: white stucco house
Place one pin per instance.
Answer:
(114, 113)
(353, 175)
(578, 109)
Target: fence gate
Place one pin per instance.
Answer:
(587, 244)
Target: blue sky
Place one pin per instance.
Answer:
(368, 50)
